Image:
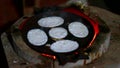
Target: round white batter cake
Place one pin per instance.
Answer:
(64, 46)
(58, 33)
(52, 21)
(78, 29)
(37, 37)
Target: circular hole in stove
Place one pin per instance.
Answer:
(37, 37)
(64, 46)
(51, 21)
(78, 29)
(58, 32)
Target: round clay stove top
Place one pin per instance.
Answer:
(61, 35)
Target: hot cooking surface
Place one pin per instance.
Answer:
(32, 23)
(77, 32)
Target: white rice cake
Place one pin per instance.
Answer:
(78, 29)
(37, 37)
(58, 33)
(52, 21)
(63, 46)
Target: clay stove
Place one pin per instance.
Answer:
(67, 51)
